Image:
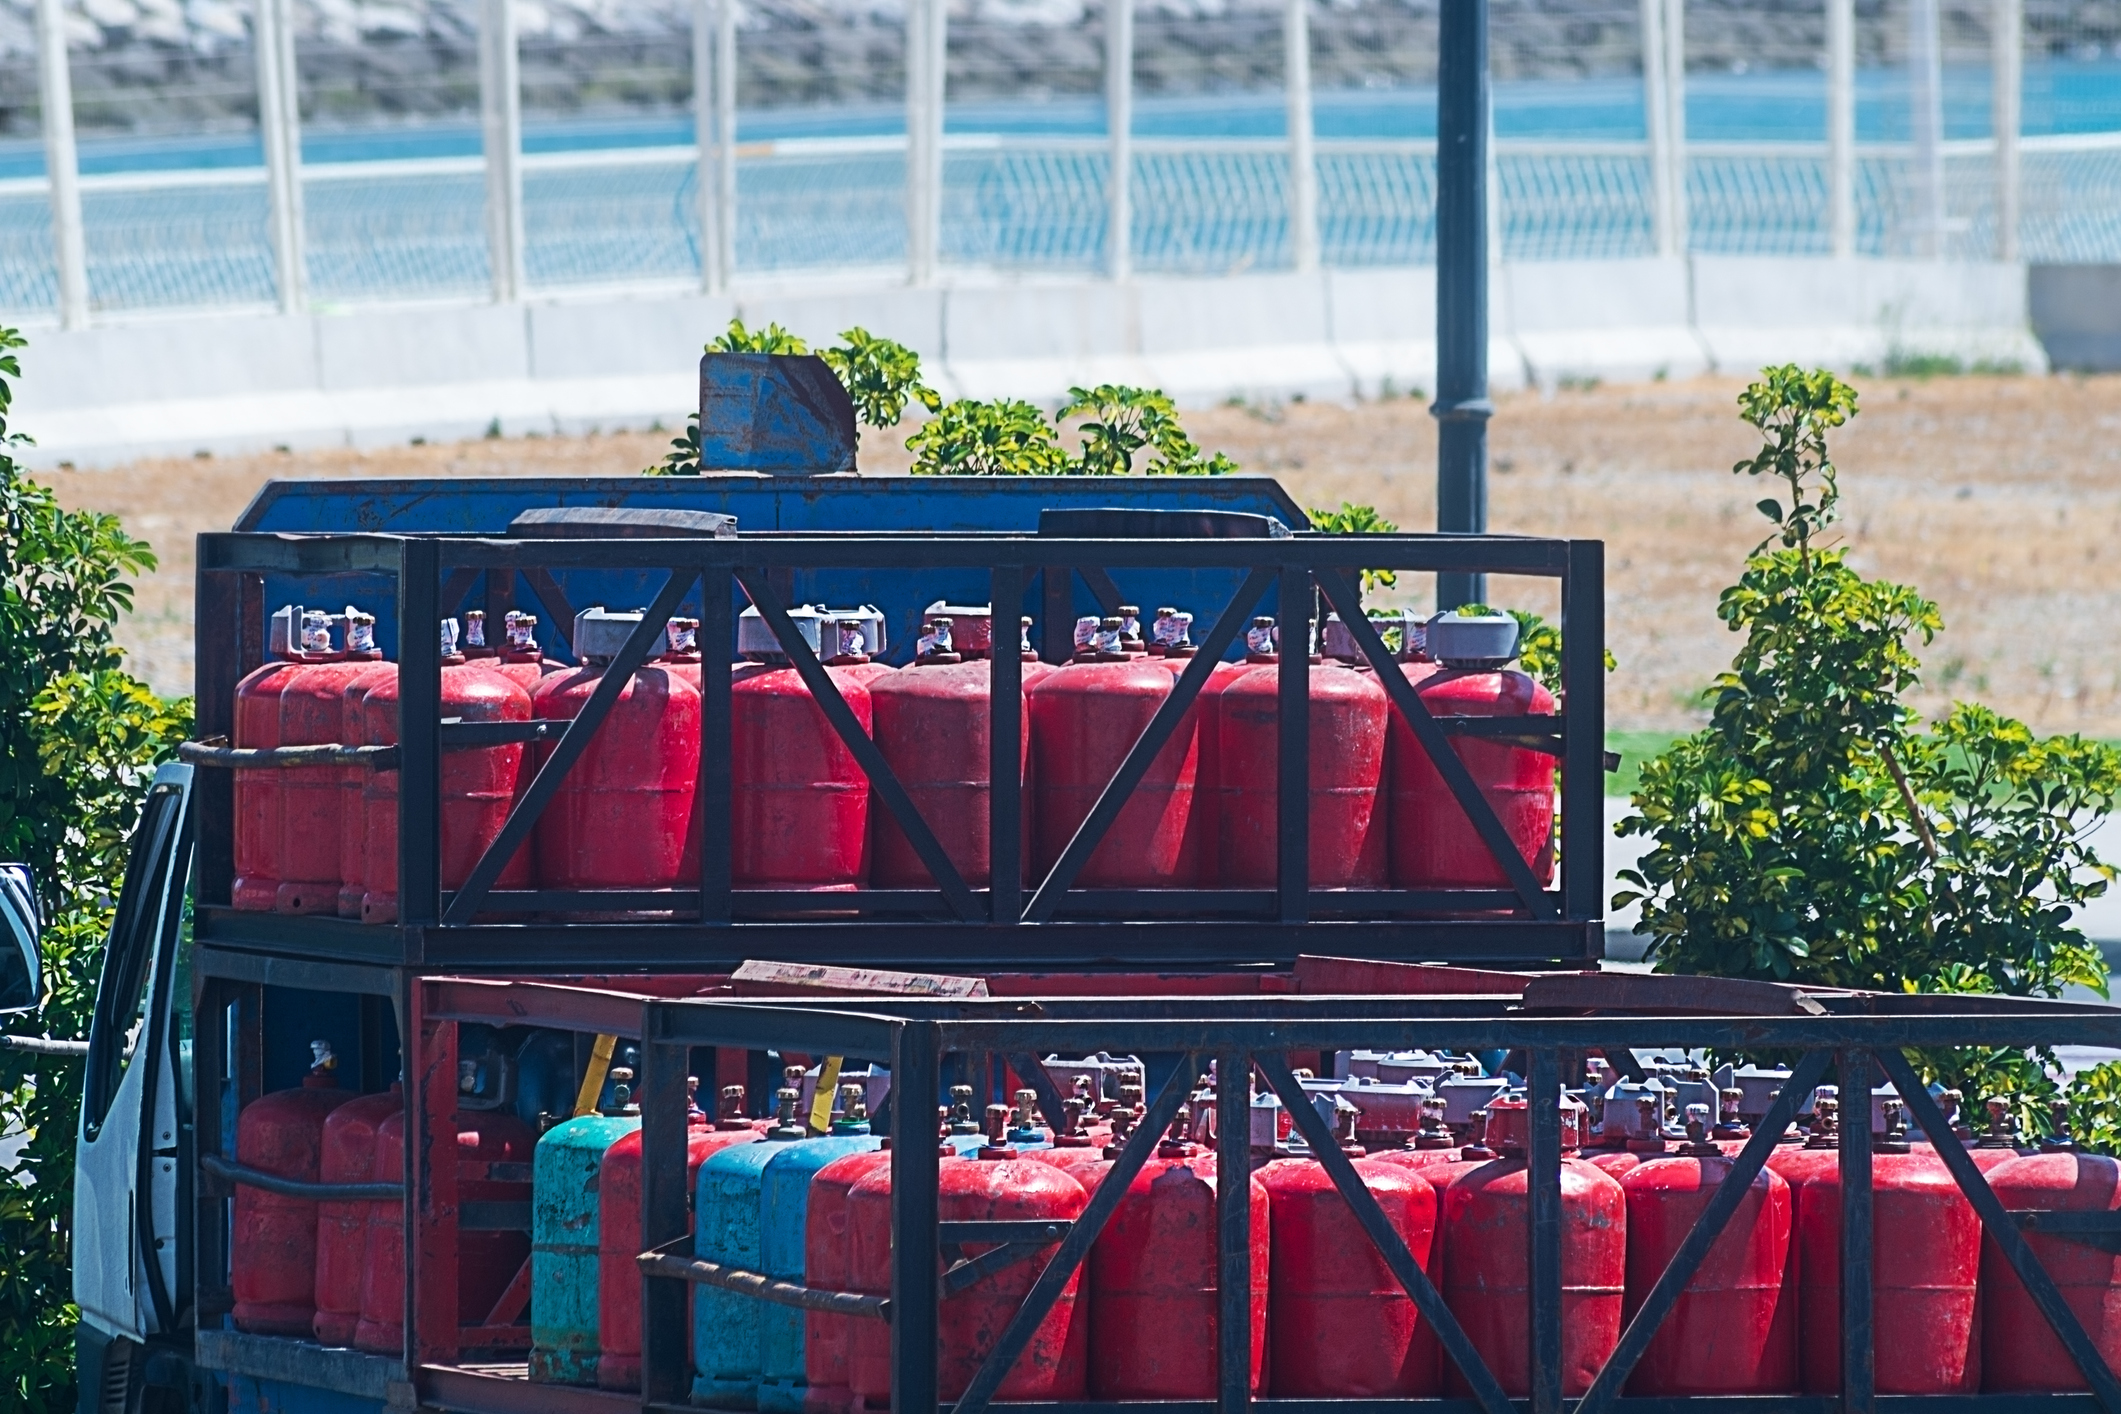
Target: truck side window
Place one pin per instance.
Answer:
(144, 914)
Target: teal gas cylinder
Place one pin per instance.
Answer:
(563, 1246)
(728, 1212)
(784, 1203)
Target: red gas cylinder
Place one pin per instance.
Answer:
(353, 780)
(828, 1256)
(1438, 1165)
(620, 817)
(1734, 1328)
(1348, 712)
(1081, 1155)
(1486, 1220)
(257, 793)
(827, 1265)
(1819, 1153)
(998, 1185)
(273, 1240)
(933, 727)
(342, 1228)
(477, 786)
(1203, 826)
(311, 714)
(619, 1239)
(519, 657)
(487, 1262)
(1925, 1257)
(1342, 1325)
(1433, 844)
(1154, 1282)
(2019, 1349)
(2000, 1143)
(1085, 717)
(799, 801)
(1616, 1162)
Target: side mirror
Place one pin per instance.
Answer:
(21, 969)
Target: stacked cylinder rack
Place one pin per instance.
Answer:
(1133, 767)
(1510, 1196)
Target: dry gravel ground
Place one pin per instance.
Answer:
(2000, 497)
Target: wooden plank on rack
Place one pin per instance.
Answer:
(780, 979)
(1354, 976)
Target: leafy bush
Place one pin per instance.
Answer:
(1119, 421)
(1002, 438)
(1817, 831)
(81, 735)
(1357, 520)
(969, 437)
(772, 339)
(880, 376)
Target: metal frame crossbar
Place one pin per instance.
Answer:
(955, 923)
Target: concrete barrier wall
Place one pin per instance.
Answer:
(244, 382)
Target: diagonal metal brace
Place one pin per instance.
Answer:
(1091, 832)
(1487, 1390)
(2002, 1230)
(971, 1271)
(1436, 743)
(2100, 1230)
(1075, 1247)
(1635, 1340)
(617, 674)
(883, 783)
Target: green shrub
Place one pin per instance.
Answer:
(1000, 438)
(81, 735)
(1817, 831)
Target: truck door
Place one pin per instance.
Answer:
(128, 1279)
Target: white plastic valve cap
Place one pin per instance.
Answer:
(1483, 639)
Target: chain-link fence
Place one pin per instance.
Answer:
(178, 197)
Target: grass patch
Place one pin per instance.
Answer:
(1634, 748)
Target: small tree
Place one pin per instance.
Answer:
(81, 735)
(1816, 830)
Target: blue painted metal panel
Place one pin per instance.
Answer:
(250, 1395)
(774, 413)
(838, 503)
(563, 1246)
(784, 1207)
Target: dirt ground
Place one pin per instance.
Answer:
(2000, 497)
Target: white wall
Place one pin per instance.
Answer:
(235, 382)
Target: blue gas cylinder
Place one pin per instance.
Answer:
(784, 1203)
(728, 1212)
(563, 1246)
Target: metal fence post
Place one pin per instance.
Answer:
(2007, 56)
(725, 15)
(927, 50)
(501, 114)
(1462, 408)
(1841, 126)
(707, 141)
(1925, 74)
(1656, 122)
(1119, 131)
(55, 85)
(280, 127)
(1303, 161)
(1675, 122)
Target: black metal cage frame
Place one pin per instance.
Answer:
(1854, 1033)
(954, 924)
